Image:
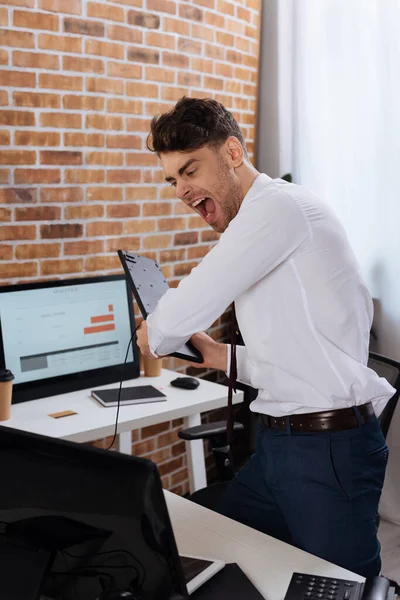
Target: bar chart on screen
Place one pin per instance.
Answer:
(65, 330)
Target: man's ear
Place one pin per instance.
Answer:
(235, 151)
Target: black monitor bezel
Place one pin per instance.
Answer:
(53, 386)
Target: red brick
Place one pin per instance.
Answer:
(101, 228)
(38, 60)
(140, 226)
(60, 43)
(103, 11)
(17, 79)
(125, 34)
(167, 256)
(209, 236)
(138, 3)
(72, 7)
(83, 248)
(160, 75)
(3, 57)
(167, 6)
(214, 51)
(104, 193)
(124, 141)
(153, 175)
(84, 176)
(179, 476)
(190, 12)
(10, 270)
(17, 232)
(171, 59)
(84, 211)
(38, 213)
(141, 19)
(60, 82)
(176, 26)
(143, 90)
(3, 98)
(153, 209)
(84, 65)
(25, 3)
(117, 105)
(153, 430)
(59, 267)
(172, 224)
(18, 39)
(35, 20)
(70, 194)
(144, 55)
(31, 251)
(5, 214)
(37, 176)
(215, 20)
(34, 100)
(198, 252)
(83, 103)
(186, 239)
(17, 157)
(142, 447)
(136, 159)
(170, 466)
(160, 40)
(124, 176)
(4, 139)
(65, 120)
(202, 64)
(6, 252)
(124, 70)
(114, 244)
(4, 176)
(173, 93)
(114, 159)
(104, 122)
(106, 86)
(14, 195)
(14, 117)
(61, 231)
(84, 139)
(83, 27)
(135, 124)
(105, 49)
(60, 157)
(102, 263)
(120, 211)
(189, 79)
(184, 268)
(157, 241)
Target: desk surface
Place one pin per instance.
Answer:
(94, 421)
(267, 562)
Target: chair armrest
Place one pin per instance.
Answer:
(205, 432)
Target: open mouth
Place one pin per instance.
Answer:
(206, 207)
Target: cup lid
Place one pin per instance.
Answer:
(6, 375)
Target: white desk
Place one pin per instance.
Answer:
(93, 421)
(267, 562)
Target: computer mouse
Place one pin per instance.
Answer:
(187, 383)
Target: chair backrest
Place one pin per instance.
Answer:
(390, 370)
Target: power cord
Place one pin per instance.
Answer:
(120, 389)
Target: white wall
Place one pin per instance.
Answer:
(329, 113)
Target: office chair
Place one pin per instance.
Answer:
(216, 432)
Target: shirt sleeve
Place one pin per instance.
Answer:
(243, 364)
(267, 231)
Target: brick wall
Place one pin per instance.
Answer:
(79, 82)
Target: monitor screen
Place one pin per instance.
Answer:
(60, 336)
(77, 522)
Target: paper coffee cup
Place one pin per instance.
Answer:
(6, 382)
(152, 366)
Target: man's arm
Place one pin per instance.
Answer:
(265, 233)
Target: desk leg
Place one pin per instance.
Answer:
(196, 462)
(125, 442)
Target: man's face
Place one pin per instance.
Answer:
(205, 180)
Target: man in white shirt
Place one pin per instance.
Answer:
(305, 314)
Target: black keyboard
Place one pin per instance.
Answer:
(314, 587)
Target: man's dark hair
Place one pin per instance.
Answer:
(192, 124)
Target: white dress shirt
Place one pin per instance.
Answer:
(302, 307)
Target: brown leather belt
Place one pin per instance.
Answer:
(327, 420)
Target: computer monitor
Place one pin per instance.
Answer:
(66, 335)
(77, 522)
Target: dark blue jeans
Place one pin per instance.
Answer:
(319, 491)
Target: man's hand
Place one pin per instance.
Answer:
(143, 341)
(215, 355)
